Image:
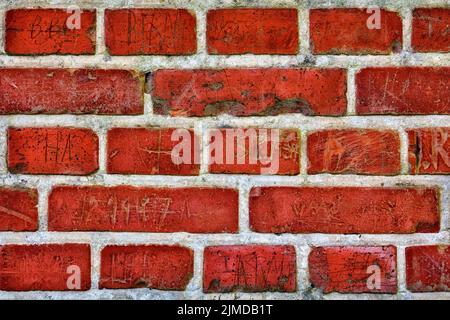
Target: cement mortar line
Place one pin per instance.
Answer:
(286, 121)
(230, 181)
(203, 61)
(214, 239)
(145, 294)
(223, 3)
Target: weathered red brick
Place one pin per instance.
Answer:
(149, 151)
(428, 268)
(18, 209)
(249, 268)
(146, 266)
(257, 31)
(404, 90)
(46, 31)
(344, 210)
(150, 31)
(247, 92)
(354, 269)
(429, 150)
(255, 151)
(354, 151)
(45, 267)
(346, 31)
(52, 151)
(79, 91)
(430, 30)
(144, 209)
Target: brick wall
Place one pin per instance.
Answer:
(87, 180)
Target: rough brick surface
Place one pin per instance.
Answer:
(150, 31)
(354, 269)
(18, 209)
(430, 30)
(354, 151)
(155, 267)
(346, 31)
(429, 151)
(79, 91)
(246, 92)
(249, 268)
(255, 151)
(406, 90)
(114, 135)
(257, 31)
(46, 31)
(344, 210)
(125, 208)
(44, 267)
(428, 268)
(52, 151)
(150, 151)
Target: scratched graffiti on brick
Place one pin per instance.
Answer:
(431, 30)
(46, 31)
(348, 269)
(257, 31)
(254, 151)
(249, 268)
(343, 210)
(43, 267)
(429, 151)
(143, 209)
(156, 267)
(77, 91)
(428, 268)
(52, 150)
(403, 91)
(150, 151)
(150, 31)
(18, 209)
(354, 151)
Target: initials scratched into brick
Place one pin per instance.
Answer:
(52, 150)
(45, 31)
(150, 31)
(429, 151)
(156, 267)
(249, 268)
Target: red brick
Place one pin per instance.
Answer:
(146, 266)
(430, 30)
(18, 209)
(247, 92)
(345, 31)
(428, 268)
(149, 151)
(404, 90)
(254, 152)
(257, 31)
(249, 268)
(80, 91)
(347, 210)
(52, 151)
(45, 31)
(150, 31)
(354, 151)
(429, 150)
(354, 269)
(144, 209)
(44, 267)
